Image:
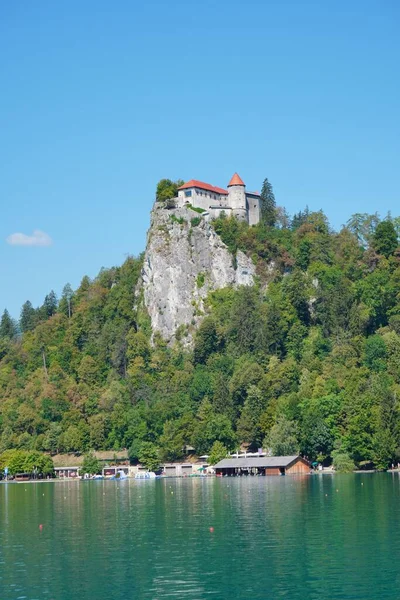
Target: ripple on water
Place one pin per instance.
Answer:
(271, 538)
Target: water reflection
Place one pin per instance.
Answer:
(311, 537)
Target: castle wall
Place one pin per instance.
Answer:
(237, 200)
(201, 198)
(216, 211)
(253, 207)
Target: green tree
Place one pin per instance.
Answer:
(211, 427)
(66, 300)
(22, 461)
(385, 238)
(342, 462)
(90, 464)
(375, 353)
(300, 218)
(282, 439)
(167, 189)
(8, 327)
(206, 340)
(249, 424)
(217, 453)
(51, 441)
(149, 456)
(49, 307)
(268, 204)
(72, 439)
(28, 317)
(172, 441)
(363, 226)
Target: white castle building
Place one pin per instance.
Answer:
(233, 201)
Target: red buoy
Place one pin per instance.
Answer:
(211, 529)
(40, 527)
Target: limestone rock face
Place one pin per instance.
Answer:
(183, 262)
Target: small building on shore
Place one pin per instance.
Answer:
(265, 465)
(183, 469)
(67, 472)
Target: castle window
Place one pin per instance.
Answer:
(188, 193)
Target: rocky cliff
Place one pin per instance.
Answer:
(184, 260)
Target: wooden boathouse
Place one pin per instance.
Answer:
(266, 465)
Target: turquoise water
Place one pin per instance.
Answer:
(315, 537)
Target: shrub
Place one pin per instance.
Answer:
(342, 462)
(196, 209)
(176, 219)
(201, 278)
(195, 221)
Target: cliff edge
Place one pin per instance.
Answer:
(185, 259)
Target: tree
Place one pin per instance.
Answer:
(342, 462)
(28, 317)
(363, 226)
(51, 441)
(385, 238)
(172, 441)
(49, 306)
(217, 453)
(282, 439)
(300, 218)
(72, 439)
(245, 318)
(149, 456)
(90, 464)
(24, 461)
(67, 296)
(211, 427)
(88, 370)
(8, 327)
(167, 189)
(249, 425)
(375, 353)
(268, 204)
(206, 340)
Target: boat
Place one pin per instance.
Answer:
(120, 475)
(145, 475)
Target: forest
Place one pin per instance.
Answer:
(307, 360)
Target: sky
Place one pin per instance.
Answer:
(99, 100)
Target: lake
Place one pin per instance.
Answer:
(313, 537)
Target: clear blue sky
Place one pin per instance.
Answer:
(100, 100)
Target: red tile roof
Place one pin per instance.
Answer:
(236, 180)
(203, 186)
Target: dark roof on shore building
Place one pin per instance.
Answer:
(262, 461)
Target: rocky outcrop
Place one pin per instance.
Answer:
(184, 260)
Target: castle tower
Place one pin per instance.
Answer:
(237, 197)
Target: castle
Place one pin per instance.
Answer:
(235, 201)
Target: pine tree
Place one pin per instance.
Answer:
(8, 327)
(66, 300)
(385, 238)
(49, 307)
(27, 320)
(268, 204)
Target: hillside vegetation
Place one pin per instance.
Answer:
(306, 360)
